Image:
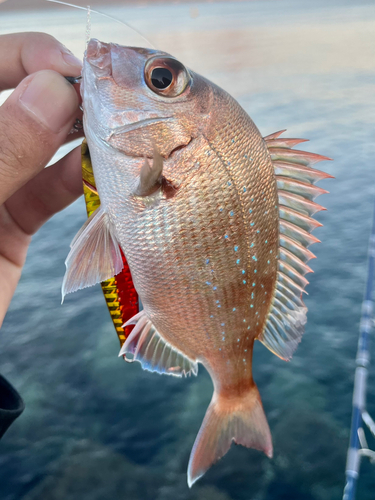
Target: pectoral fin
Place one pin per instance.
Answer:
(150, 177)
(95, 254)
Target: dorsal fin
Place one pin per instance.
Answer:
(295, 181)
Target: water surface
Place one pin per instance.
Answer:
(96, 428)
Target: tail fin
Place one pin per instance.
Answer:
(241, 420)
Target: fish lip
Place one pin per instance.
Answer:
(98, 54)
(128, 127)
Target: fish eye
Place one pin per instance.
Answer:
(161, 78)
(166, 76)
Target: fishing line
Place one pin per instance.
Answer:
(89, 10)
(88, 25)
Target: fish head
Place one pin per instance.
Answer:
(137, 100)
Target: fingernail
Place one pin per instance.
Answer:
(50, 99)
(71, 60)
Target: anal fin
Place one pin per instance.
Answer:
(154, 353)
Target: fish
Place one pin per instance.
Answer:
(214, 222)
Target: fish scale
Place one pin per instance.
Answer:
(258, 206)
(153, 270)
(214, 222)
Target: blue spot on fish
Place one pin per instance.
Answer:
(244, 282)
(229, 183)
(231, 213)
(234, 308)
(254, 258)
(251, 246)
(251, 305)
(207, 261)
(251, 223)
(250, 211)
(238, 261)
(214, 288)
(208, 283)
(236, 248)
(244, 190)
(243, 271)
(226, 236)
(253, 284)
(255, 270)
(222, 324)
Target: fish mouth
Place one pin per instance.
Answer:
(98, 54)
(124, 64)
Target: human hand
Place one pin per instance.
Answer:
(34, 122)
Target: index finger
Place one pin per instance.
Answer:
(26, 53)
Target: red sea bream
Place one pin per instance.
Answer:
(214, 221)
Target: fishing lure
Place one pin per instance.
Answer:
(119, 292)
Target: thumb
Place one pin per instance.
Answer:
(34, 122)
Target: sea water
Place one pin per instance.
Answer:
(96, 428)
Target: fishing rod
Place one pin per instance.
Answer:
(358, 447)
